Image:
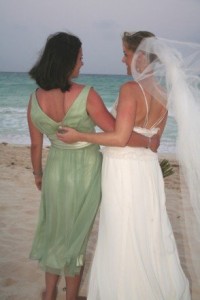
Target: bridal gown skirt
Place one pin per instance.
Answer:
(136, 256)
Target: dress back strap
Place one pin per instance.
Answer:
(147, 114)
(159, 120)
(146, 103)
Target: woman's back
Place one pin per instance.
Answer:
(50, 110)
(55, 103)
(150, 112)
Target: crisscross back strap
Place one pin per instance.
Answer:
(159, 120)
(147, 114)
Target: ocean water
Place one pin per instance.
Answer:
(15, 90)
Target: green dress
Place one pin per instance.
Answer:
(71, 191)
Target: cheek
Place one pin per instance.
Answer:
(75, 72)
(79, 65)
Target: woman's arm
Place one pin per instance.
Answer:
(123, 126)
(104, 120)
(99, 113)
(36, 149)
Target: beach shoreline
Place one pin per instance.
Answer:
(21, 278)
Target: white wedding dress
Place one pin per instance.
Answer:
(136, 255)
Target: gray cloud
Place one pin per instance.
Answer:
(25, 25)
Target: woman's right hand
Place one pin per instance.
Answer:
(68, 135)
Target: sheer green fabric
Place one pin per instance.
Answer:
(70, 192)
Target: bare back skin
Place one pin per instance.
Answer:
(55, 103)
(149, 112)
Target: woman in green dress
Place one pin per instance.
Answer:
(70, 183)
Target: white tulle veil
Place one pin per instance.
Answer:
(170, 72)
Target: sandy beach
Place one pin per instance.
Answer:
(21, 278)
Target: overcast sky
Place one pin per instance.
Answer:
(25, 25)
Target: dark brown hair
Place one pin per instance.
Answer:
(57, 61)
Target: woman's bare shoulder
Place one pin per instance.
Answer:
(77, 86)
(130, 87)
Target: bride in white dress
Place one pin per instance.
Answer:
(136, 256)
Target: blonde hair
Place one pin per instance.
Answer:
(133, 39)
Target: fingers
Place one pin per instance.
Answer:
(62, 130)
(68, 135)
(38, 183)
(154, 143)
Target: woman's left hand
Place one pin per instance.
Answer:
(68, 135)
(38, 182)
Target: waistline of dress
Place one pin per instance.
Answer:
(64, 146)
(129, 153)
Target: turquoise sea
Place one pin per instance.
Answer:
(15, 89)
